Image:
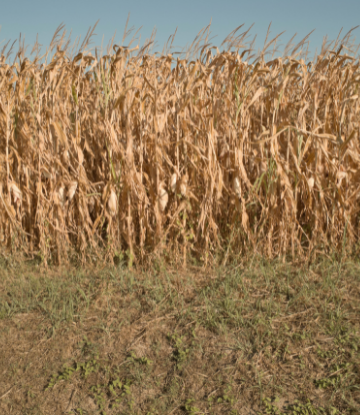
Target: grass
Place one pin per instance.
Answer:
(265, 338)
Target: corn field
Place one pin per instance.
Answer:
(136, 155)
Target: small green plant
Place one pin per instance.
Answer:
(336, 379)
(270, 408)
(88, 348)
(180, 352)
(190, 409)
(99, 395)
(139, 360)
(227, 396)
(65, 374)
(326, 354)
(309, 409)
(91, 366)
(111, 394)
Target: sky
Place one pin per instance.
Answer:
(40, 17)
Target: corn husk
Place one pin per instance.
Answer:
(16, 193)
(311, 182)
(112, 203)
(71, 190)
(91, 204)
(173, 182)
(61, 195)
(237, 187)
(183, 185)
(163, 198)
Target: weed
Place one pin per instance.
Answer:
(180, 351)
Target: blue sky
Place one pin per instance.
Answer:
(32, 17)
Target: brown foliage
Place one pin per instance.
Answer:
(125, 154)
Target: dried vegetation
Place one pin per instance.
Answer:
(136, 154)
(267, 338)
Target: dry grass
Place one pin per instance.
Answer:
(124, 156)
(268, 338)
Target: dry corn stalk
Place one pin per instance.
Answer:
(290, 152)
